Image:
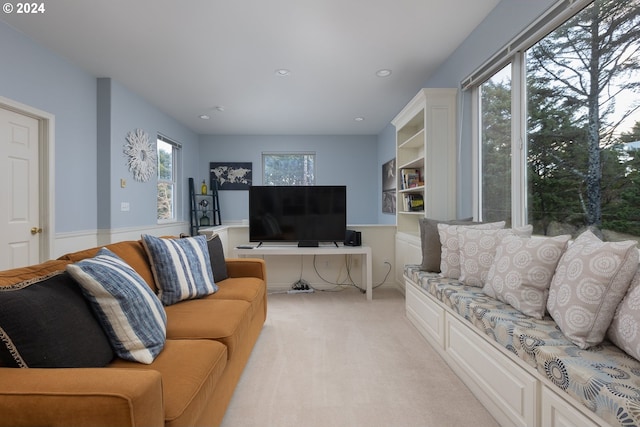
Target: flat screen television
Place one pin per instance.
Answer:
(303, 214)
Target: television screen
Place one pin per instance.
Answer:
(303, 214)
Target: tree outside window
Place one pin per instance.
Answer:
(288, 168)
(582, 131)
(496, 147)
(167, 153)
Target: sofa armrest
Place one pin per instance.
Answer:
(80, 397)
(246, 267)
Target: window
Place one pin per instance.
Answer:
(573, 124)
(495, 120)
(288, 168)
(167, 178)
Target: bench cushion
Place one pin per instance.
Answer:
(603, 378)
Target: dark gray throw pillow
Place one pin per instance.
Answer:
(430, 240)
(216, 255)
(47, 323)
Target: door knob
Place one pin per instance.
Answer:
(36, 230)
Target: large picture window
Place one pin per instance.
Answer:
(578, 126)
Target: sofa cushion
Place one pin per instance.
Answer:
(250, 289)
(625, 327)
(181, 267)
(591, 279)
(430, 241)
(521, 272)
(130, 251)
(128, 310)
(47, 323)
(17, 275)
(477, 250)
(450, 246)
(217, 258)
(226, 321)
(190, 372)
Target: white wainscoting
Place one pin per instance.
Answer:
(282, 272)
(76, 241)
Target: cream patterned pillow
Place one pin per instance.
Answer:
(522, 270)
(450, 256)
(591, 279)
(625, 327)
(478, 248)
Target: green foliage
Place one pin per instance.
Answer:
(289, 169)
(577, 170)
(165, 189)
(165, 167)
(496, 149)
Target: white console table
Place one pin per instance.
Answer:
(284, 250)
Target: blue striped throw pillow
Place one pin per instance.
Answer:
(128, 310)
(181, 267)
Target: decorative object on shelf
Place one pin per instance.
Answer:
(204, 219)
(141, 155)
(203, 188)
(204, 209)
(389, 187)
(231, 175)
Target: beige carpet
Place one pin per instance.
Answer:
(334, 359)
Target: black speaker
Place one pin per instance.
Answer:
(353, 238)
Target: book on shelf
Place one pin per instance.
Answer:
(410, 178)
(413, 202)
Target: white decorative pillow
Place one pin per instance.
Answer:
(591, 279)
(522, 270)
(450, 256)
(477, 249)
(625, 327)
(126, 307)
(181, 267)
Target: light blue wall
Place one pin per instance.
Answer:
(32, 75)
(507, 19)
(386, 152)
(87, 174)
(340, 160)
(87, 170)
(129, 112)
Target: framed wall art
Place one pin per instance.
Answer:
(389, 187)
(231, 175)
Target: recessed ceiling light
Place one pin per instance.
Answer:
(385, 72)
(283, 72)
(204, 117)
(359, 119)
(220, 108)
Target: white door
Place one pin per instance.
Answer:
(20, 230)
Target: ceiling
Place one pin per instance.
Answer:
(190, 57)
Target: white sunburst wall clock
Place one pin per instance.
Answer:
(141, 155)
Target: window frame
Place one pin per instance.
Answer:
(266, 154)
(175, 172)
(512, 53)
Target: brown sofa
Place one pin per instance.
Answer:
(190, 383)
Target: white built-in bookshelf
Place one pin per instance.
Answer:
(426, 168)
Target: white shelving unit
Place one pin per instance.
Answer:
(426, 142)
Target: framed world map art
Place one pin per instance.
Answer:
(231, 175)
